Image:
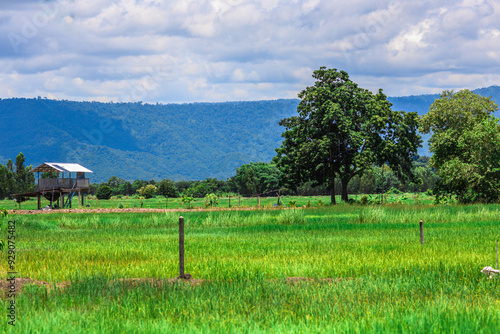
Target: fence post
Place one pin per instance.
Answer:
(181, 247)
(422, 232)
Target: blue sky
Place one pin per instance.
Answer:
(231, 50)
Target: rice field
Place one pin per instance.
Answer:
(354, 269)
(160, 202)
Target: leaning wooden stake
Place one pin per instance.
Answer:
(181, 247)
(422, 232)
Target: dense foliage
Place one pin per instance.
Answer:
(341, 131)
(104, 192)
(466, 145)
(16, 178)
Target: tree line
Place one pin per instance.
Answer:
(265, 179)
(253, 179)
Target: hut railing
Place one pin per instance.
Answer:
(44, 184)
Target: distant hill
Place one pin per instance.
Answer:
(145, 141)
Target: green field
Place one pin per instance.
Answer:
(223, 202)
(381, 279)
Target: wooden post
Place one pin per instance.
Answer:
(39, 202)
(181, 247)
(229, 198)
(422, 232)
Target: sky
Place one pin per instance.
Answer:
(242, 50)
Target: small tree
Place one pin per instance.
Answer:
(148, 191)
(167, 188)
(211, 200)
(104, 192)
(188, 200)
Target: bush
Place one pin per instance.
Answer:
(147, 191)
(211, 200)
(104, 192)
(364, 200)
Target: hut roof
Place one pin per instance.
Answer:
(60, 167)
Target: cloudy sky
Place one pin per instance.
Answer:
(230, 50)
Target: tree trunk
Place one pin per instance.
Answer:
(345, 197)
(332, 196)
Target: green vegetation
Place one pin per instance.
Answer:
(104, 192)
(381, 278)
(148, 191)
(16, 178)
(341, 131)
(466, 146)
(223, 201)
(138, 140)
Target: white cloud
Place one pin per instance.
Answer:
(220, 50)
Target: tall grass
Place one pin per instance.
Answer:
(382, 279)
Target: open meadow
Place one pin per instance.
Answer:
(344, 268)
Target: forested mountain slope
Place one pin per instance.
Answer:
(135, 140)
(145, 141)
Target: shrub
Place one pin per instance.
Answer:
(147, 191)
(211, 200)
(104, 192)
(292, 204)
(364, 200)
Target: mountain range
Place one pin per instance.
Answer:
(154, 141)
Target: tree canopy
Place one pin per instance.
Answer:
(466, 145)
(342, 130)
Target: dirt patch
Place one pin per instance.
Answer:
(128, 210)
(7, 287)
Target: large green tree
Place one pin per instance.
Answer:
(341, 131)
(257, 178)
(465, 143)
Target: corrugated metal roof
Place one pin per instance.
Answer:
(60, 167)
